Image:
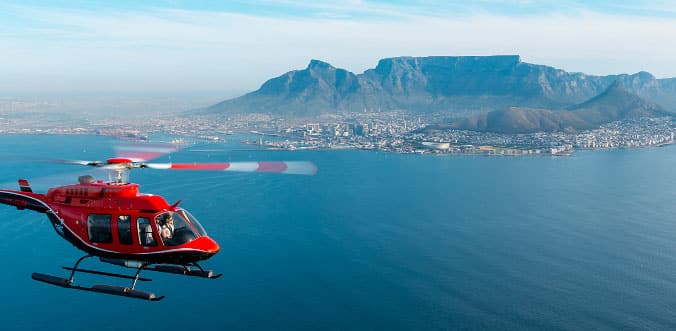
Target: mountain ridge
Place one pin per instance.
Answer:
(436, 84)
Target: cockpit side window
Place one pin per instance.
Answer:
(145, 232)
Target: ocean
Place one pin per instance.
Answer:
(373, 241)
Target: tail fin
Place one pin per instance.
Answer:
(24, 186)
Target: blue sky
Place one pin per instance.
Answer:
(232, 47)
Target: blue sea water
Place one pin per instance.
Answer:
(375, 241)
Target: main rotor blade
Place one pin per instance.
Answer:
(284, 167)
(41, 184)
(135, 152)
(139, 152)
(78, 162)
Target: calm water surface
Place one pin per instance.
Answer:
(375, 241)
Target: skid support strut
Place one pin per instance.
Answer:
(130, 292)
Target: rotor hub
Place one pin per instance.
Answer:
(119, 160)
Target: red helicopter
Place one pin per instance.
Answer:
(113, 221)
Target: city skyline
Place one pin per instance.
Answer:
(167, 47)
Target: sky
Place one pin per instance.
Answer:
(227, 48)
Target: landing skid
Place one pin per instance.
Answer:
(100, 288)
(192, 269)
(130, 292)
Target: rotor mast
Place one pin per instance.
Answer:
(118, 170)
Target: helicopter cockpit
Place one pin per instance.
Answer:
(178, 227)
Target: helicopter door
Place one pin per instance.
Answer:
(146, 237)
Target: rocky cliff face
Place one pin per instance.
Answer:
(437, 83)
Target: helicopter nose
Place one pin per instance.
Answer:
(211, 246)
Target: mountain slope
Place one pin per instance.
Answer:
(436, 83)
(319, 86)
(616, 103)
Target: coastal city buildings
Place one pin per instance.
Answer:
(388, 131)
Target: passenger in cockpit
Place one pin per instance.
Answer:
(166, 226)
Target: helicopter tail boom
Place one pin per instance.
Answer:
(23, 200)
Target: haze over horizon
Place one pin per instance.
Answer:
(74, 48)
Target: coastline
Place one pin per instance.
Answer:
(393, 132)
(286, 145)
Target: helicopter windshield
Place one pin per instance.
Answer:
(174, 229)
(194, 221)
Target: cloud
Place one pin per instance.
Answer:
(194, 50)
(455, 8)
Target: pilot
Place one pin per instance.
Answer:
(166, 226)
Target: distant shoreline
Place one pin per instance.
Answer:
(453, 150)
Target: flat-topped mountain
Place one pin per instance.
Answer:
(616, 103)
(437, 83)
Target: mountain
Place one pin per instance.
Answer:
(437, 84)
(515, 120)
(299, 92)
(616, 103)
